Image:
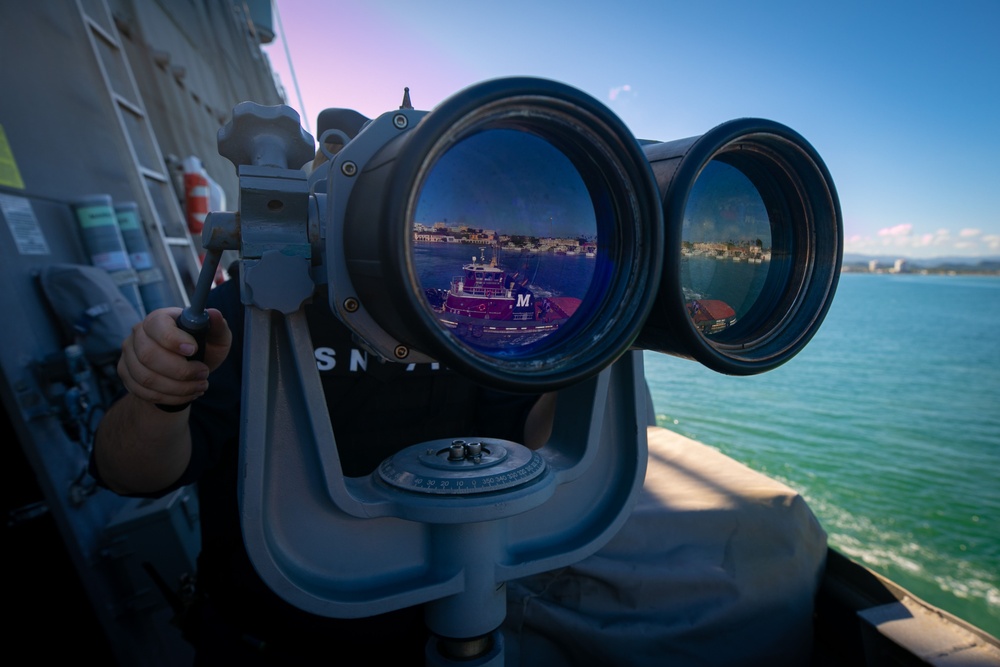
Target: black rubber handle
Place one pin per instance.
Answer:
(195, 324)
(194, 318)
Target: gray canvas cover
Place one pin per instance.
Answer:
(717, 565)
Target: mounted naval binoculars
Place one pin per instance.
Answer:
(521, 234)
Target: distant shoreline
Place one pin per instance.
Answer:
(922, 272)
(974, 270)
(918, 271)
(948, 266)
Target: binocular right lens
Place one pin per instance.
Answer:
(753, 246)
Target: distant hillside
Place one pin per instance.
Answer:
(856, 258)
(990, 265)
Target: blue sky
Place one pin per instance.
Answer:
(902, 99)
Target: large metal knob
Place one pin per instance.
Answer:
(265, 136)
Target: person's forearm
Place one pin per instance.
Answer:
(140, 448)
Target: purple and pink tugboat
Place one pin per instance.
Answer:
(498, 307)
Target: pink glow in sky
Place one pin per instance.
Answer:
(359, 56)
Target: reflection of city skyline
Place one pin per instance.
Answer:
(520, 226)
(441, 232)
(752, 251)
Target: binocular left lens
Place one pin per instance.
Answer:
(512, 234)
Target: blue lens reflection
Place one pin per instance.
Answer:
(505, 241)
(726, 248)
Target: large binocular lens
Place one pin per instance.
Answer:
(513, 233)
(753, 246)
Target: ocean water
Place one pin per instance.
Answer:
(888, 423)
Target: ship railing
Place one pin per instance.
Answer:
(458, 286)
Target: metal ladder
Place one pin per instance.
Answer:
(170, 242)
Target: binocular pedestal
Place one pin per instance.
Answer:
(445, 523)
(542, 168)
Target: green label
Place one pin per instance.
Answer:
(95, 216)
(10, 175)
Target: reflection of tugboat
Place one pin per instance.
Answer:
(710, 315)
(487, 300)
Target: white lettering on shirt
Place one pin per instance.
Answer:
(325, 358)
(435, 366)
(359, 360)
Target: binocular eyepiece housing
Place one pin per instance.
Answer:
(520, 234)
(753, 249)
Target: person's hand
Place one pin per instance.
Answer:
(154, 364)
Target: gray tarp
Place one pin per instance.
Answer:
(718, 565)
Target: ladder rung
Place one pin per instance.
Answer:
(129, 105)
(177, 240)
(153, 175)
(102, 33)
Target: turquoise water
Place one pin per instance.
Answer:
(888, 423)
